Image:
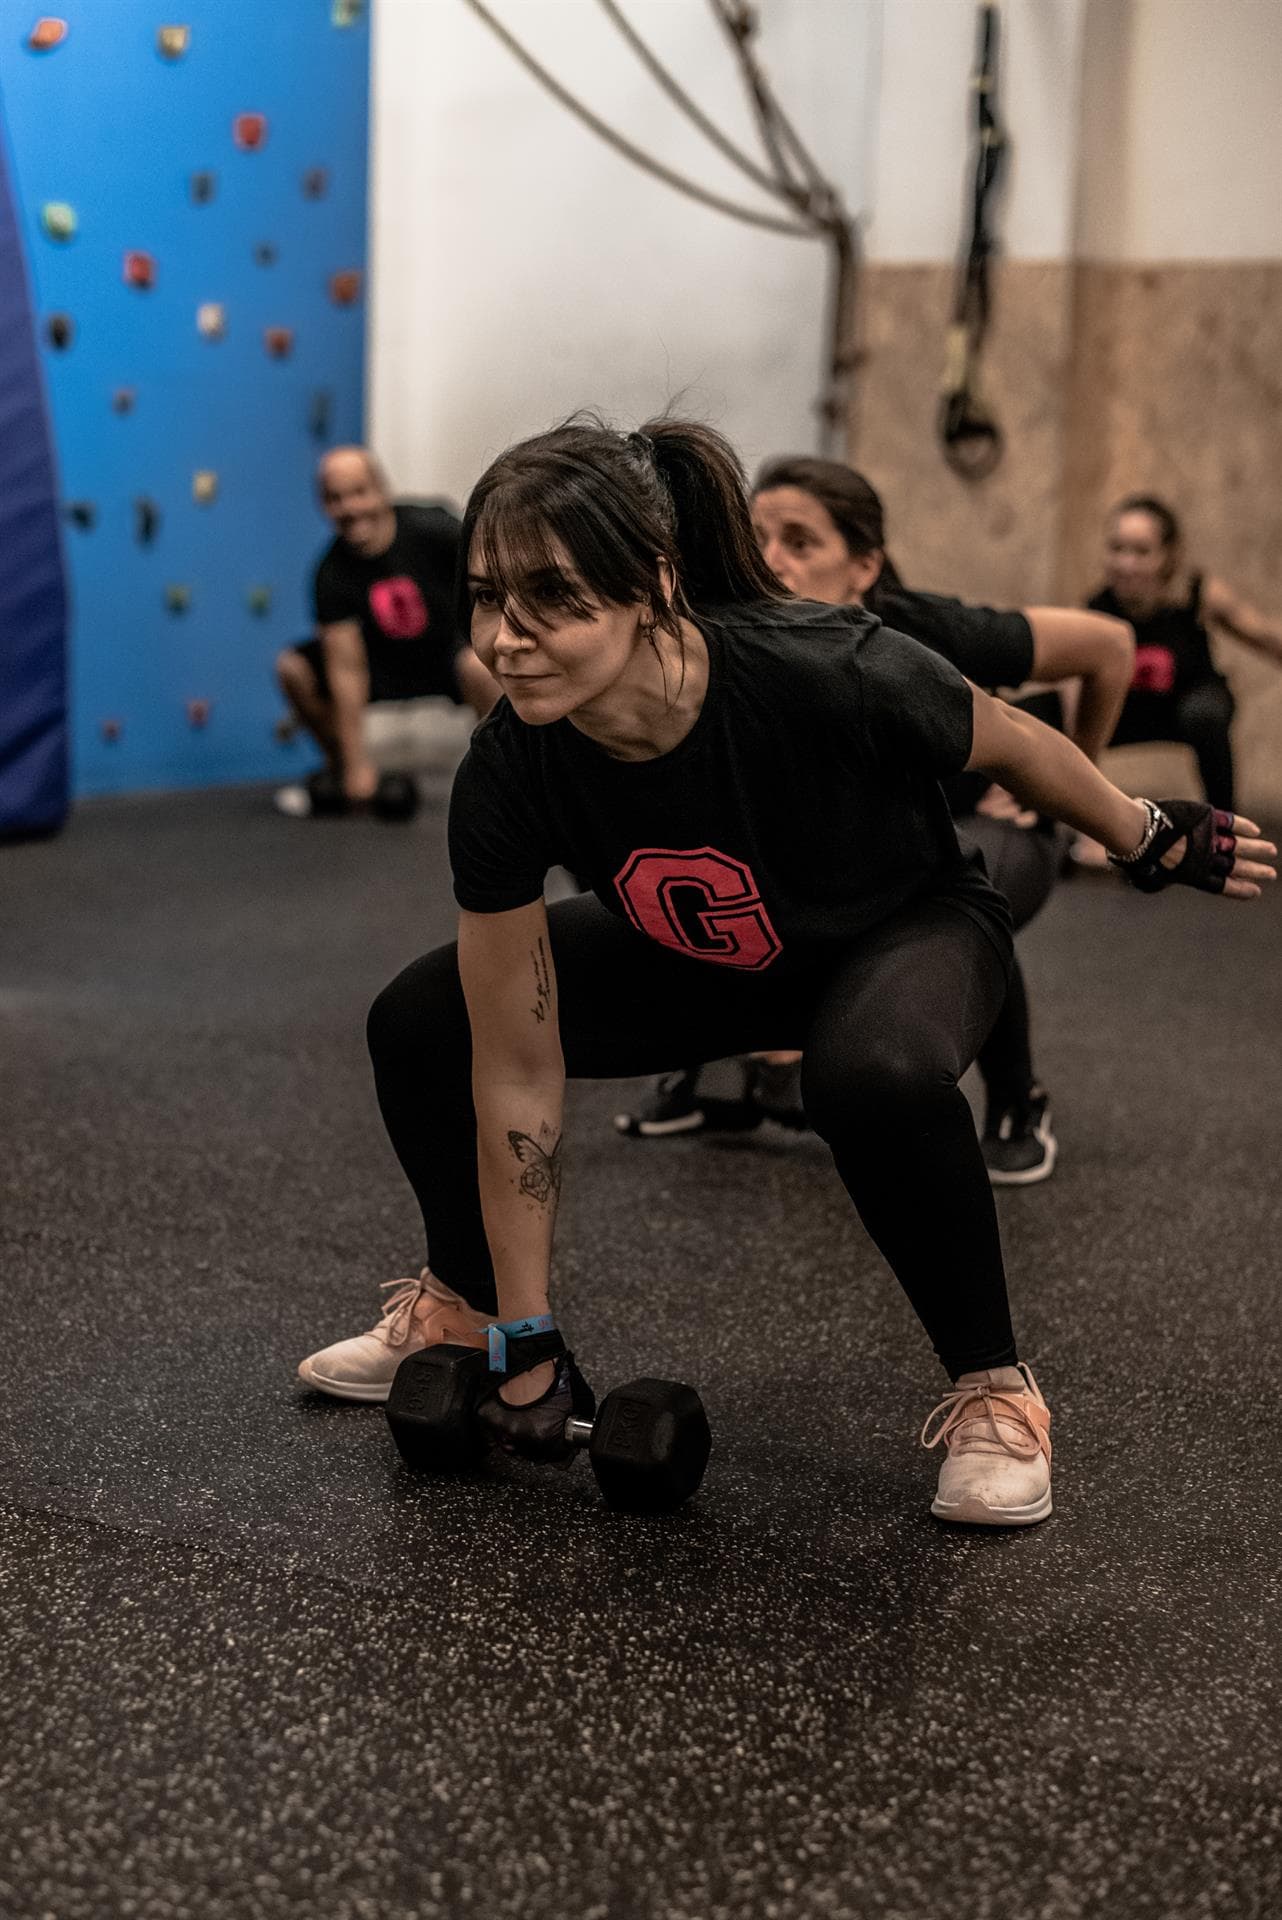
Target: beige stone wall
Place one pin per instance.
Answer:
(1107, 379)
(1176, 389)
(993, 539)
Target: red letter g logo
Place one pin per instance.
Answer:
(700, 902)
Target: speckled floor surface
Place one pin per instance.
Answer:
(249, 1667)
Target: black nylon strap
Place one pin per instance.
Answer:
(530, 1350)
(972, 439)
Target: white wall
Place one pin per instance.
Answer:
(521, 269)
(1182, 131)
(922, 126)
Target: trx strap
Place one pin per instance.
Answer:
(972, 440)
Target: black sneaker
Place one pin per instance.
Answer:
(1018, 1146)
(676, 1106)
(671, 1107)
(775, 1091)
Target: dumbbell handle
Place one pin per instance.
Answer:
(578, 1432)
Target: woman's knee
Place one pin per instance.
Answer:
(879, 1088)
(422, 1011)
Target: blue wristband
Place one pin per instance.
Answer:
(501, 1331)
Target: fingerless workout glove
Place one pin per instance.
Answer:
(1208, 858)
(537, 1432)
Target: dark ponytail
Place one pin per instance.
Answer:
(853, 504)
(719, 561)
(616, 503)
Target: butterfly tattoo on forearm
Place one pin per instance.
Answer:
(542, 1175)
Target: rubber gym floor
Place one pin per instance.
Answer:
(252, 1667)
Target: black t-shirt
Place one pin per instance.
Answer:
(404, 602)
(991, 646)
(1172, 648)
(802, 808)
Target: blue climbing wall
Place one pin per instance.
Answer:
(180, 602)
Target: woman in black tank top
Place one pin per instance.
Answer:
(1177, 693)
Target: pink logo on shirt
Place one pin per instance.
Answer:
(1154, 670)
(701, 902)
(398, 607)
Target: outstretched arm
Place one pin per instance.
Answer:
(1069, 644)
(1239, 618)
(518, 1086)
(1047, 772)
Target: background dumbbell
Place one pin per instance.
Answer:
(396, 797)
(328, 798)
(649, 1443)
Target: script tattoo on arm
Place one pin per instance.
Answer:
(542, 984)
(541, 1178)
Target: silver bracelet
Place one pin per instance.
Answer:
(1156, 821)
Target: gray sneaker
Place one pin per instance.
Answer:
(1018, 1146)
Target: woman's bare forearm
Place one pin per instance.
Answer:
(1047, 772)
(518, 1139)
(1099, 705)
(1094, 649)
(518, 1091)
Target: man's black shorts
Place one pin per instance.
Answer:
(441, 684)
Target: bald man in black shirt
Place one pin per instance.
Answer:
(384, 600)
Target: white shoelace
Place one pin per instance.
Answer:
(956, 1411)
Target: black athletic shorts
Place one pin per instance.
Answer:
(442, 686)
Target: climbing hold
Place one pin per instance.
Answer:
(172, 42)
(146, 521)
(315, 183)
(319, 412)
(140, 269)
(204, 186)
(47, 34)
(211, 319)
(60, 330)
(82, 513)
(345, 287)
(249, 130)
(280, 341)
(198, 714)
(59, 220)
(285, 729)
(177, 598)
(265, 254)
(345, 13)
(122, 400)
(204, 486)
(259, 600)
(111, 731)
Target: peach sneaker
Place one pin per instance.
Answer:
(997, 1430)
(417, 1313)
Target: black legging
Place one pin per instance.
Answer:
(888, 1024)
(1022, 863)
(1200, 717)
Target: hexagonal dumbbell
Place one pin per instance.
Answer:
(649, 1443)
